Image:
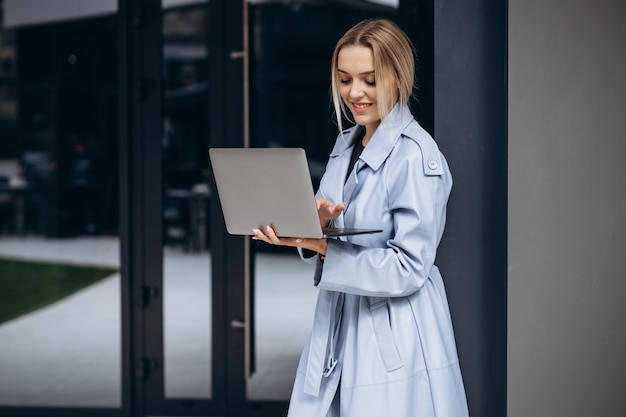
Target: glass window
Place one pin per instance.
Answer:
(60, 312)
(187, 260)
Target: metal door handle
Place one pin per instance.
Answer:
(238, 324)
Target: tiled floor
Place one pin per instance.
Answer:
(69, 353)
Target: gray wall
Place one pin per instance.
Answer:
(567, 208)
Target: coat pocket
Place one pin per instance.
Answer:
(379, 309)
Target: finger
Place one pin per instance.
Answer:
(339, 208)
(258, 235)
(335, 211)
(321, 203)
(272, 235)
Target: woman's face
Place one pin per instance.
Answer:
(355, 66)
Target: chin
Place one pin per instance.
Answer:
(364, 119)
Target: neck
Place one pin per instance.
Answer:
(369, 132)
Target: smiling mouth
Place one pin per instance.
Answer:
(361, 107)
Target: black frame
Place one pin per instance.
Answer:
(134, 242)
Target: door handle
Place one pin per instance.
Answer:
(237, 54)
(238, 324)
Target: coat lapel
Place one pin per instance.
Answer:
(377, 150)
(351, 183)
(341, 153)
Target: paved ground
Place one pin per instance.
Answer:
(68, 354)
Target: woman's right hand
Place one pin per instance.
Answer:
(327, 210)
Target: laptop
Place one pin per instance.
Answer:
(269, 186)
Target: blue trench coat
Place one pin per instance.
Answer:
(382, 342)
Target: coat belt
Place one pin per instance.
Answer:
(322, 360)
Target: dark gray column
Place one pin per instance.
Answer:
(470, 80)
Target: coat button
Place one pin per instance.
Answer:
(432, 164)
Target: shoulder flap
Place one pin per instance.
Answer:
(431, 156)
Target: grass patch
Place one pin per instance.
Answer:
(26, 286)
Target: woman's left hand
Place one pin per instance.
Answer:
(316, 245)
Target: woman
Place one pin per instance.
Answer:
(382, 341)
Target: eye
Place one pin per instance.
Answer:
(370, 82)
(344, 80)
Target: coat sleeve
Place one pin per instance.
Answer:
(416, 204)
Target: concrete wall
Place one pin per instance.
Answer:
(567, 208)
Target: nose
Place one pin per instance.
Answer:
(356, 90)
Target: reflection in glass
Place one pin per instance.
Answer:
(60, 313)
(186, 257)
(60, 344)
(284, 305)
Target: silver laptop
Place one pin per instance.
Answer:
(269, 186)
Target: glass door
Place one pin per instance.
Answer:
(227, 318)
(186, 240)
(176, 354)
(62, 307)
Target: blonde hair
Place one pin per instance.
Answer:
(393, 54)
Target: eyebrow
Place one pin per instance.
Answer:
(361, 73)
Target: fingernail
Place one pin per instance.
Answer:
(298, 240)
(255, 231)
(267, 228)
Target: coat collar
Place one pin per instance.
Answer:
(382, 142)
